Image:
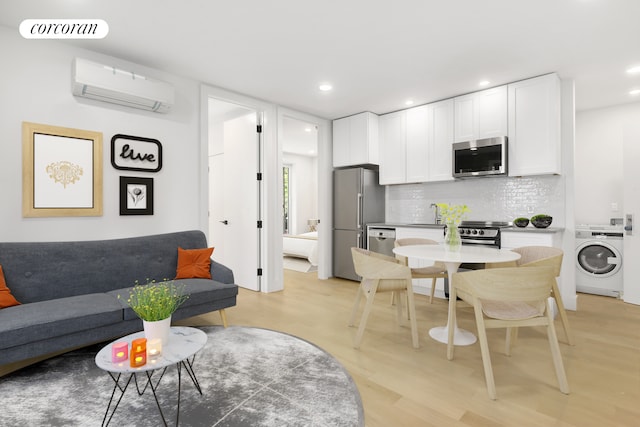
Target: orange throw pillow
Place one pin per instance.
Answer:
(194, 263)
(6, 299)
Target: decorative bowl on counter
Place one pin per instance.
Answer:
(521, 222)
(541, 221)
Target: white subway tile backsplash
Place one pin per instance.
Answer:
(489, 199)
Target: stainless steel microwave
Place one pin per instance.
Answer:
(481, 157)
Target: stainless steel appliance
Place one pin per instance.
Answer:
(481, 157)
(381, 239)
(482, 232)
(358, 199)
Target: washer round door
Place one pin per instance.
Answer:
(598, 259)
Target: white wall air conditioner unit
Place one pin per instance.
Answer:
(110, 84)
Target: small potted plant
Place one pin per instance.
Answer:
(541, 221)
(154, 303)
(521, 222)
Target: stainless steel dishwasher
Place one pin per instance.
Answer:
(381, 239)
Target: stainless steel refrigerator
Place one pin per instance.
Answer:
(358, 200)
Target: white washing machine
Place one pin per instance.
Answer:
(599, 259)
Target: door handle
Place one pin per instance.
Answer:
(629, 225)
(358, 214)
(225, 222)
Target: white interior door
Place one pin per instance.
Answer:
(631, 269)
(234, 194)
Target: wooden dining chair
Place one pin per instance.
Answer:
(433, 272)
(540, 256)
(381, 273)
(507, 298)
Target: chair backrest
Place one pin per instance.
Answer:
(540, 256)
(411, 241)
(531, 285)
(374, 266)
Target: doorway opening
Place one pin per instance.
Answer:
(300, 214)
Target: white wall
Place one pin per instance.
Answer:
(599, 155)
(304, 190)
(35, 86)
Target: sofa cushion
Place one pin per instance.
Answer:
(200, 291)
(194, 263)
(6, 299)
(26, 323)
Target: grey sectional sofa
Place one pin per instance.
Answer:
(69, 290)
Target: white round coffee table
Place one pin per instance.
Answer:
(184, 343)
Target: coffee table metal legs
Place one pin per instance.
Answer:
(188, 366)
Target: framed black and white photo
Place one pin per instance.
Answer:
(136, 196)
(61, 171)
(136, 153)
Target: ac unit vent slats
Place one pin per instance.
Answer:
(96, 81)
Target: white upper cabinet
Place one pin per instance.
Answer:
(393, 148)
(534, 126)
(481, 114)
(415, 144)
(417, 154)
(440, 127)
(355, 140)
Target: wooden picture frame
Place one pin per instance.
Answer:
(61, 171)
(136, 196)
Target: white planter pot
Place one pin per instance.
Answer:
(158, 329)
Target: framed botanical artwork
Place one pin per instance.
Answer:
(136, 153)
(136, 196)
(61, 171)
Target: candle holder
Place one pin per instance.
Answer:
(154, 348)
(138, 353)
(119, 352)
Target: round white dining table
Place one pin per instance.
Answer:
(452, 259)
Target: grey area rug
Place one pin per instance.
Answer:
(249, 377)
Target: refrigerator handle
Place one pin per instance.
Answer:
(358, 215)
(358, 241)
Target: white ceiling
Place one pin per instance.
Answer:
(376, 53)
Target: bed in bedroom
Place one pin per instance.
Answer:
(301, 246)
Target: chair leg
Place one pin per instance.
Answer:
(562, 312)
(399, 303)
(555, 352)
(433, 290)
(223, 316)
(363, 320)
(411, 308)
(512, 337)
(356, 305)
(484, 349)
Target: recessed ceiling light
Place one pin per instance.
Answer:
(307, 129)
(634, 70)
(325, 87)
(408, 102)
(484, 83)
(635, 92)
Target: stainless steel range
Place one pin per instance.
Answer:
(482, 232)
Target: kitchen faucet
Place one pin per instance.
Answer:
(436, 216)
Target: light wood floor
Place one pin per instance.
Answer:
(402, 386)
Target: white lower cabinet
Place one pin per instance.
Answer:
(518, 239)
(423, 286)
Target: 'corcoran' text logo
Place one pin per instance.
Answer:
(64, 28)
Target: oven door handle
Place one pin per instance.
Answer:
(480, 242)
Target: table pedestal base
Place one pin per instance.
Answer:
(460, 336)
